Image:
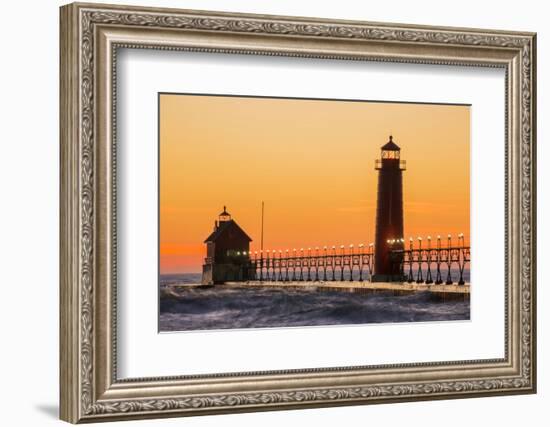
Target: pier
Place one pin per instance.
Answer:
(428, 264)
(443, 292)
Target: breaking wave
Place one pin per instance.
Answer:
(184, 308)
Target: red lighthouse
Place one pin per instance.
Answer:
(227, 253)
(389, 213)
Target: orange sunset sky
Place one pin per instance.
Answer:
(312, 162)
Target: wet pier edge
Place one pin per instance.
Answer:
(444, 292)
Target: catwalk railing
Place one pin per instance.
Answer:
(315, 264)
(440, 264)
(437, 264)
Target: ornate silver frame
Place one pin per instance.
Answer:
(90, 36)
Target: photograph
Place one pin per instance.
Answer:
(269, 209)
(296, 212)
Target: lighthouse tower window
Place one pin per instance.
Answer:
(390, 154)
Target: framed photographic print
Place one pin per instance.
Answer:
(264, 212)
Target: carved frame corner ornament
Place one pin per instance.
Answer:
(90, 36)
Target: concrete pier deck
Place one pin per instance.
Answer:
(444, 292)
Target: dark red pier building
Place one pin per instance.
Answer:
(227, 253)
(389, 214)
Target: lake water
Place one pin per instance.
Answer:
(190, 308)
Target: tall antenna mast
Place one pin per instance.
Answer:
(262, 235)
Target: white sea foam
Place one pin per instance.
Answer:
(193, 308)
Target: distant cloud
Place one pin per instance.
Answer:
(363, 205)
(355, 209)
(170, 249)
(410, 207)
(427, 207)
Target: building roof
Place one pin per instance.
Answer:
(391, 146)
(222, 228)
